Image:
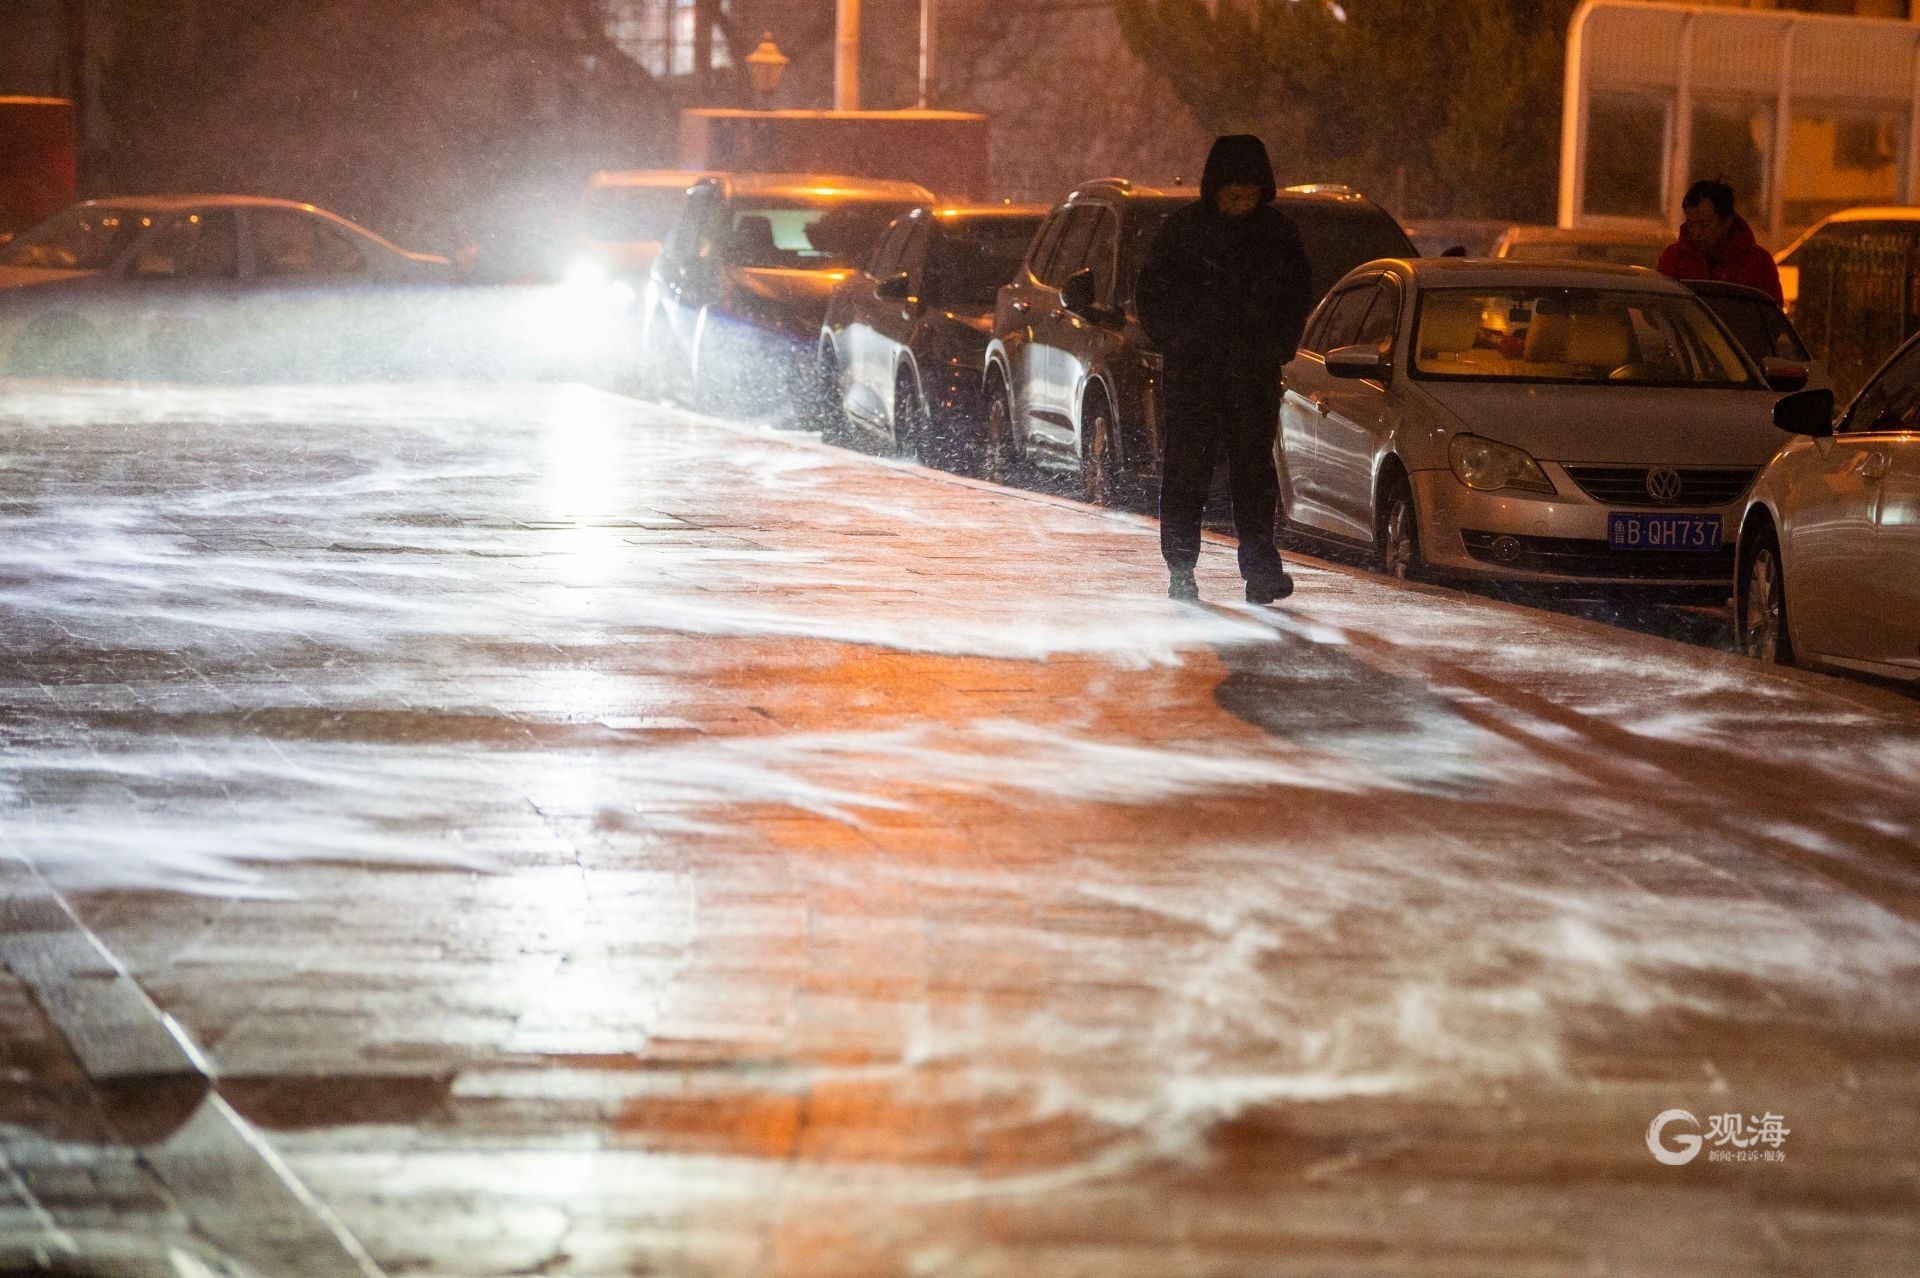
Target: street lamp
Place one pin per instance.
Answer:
(765, 66)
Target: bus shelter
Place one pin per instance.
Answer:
(1804, 114)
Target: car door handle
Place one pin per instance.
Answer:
(1875, 465)
(1019, 308)
(1319, 404)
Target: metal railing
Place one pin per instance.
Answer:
(1859, 299)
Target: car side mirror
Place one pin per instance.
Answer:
(897, 287)
(1807, 412)
(1784, 374)
(1076, 295)
(1357, 362)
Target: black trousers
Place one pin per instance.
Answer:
(1209, 413)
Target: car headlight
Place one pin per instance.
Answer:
(1487, 465)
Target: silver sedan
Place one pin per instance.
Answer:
(202, 284)
(1530, 423)
(1829, 549)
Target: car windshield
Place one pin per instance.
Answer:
(1620, 254)
(630, 213)
(807, 237)
(80, 239)
(1338, 238)
(1573, 335)
(1758, 325)
(969, 260)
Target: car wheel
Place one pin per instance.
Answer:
(996, 448)
(912, 425)
(658, 374)
(703, 382)
(1097, 486)
(1397, 535)
(829, 396)
(1761, 604)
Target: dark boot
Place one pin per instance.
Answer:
(1269, 587)
(1181, 585)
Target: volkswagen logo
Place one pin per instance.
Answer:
(1663, 484)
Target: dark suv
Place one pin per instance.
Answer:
(901, 346)
(1071, 381)
(735, 298)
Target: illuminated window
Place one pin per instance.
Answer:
(1841, 156)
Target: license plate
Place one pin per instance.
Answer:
(1697, 533)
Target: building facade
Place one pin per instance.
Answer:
(1803, 112)
(1067, 98)
(34, 36)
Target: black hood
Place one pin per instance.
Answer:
(1238, 157)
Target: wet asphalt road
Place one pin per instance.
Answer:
(520, 830)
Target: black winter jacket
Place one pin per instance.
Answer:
(1227, 295)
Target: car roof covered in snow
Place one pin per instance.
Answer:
(820, 186)
(984, 212)
(190, 202)
(1526, 234)
(173, 203)
(659, 179)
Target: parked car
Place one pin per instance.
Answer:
(1545, 424)
(733, 305)
(1582, 244)
(1761, 327)
(625, 214)
(1071, 380)
(1852, 285)
(1829, 547)
(1897, 225)
(193, 284)
(903, 340)
(1456, 236)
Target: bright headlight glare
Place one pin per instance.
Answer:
(587, 280)
(586, 274)
(1487, 465)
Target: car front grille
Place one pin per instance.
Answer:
(1587, 558)
(1627, 485)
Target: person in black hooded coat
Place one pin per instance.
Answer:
(1225, 293)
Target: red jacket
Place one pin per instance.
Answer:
(1742, 261)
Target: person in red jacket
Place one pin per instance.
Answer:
(1717, 244)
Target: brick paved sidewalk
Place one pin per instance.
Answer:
(583, 838)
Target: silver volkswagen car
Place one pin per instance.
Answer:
(1544, 423)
